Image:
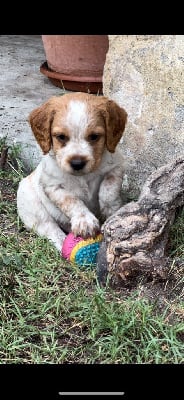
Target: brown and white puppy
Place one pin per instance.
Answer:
(80, 175)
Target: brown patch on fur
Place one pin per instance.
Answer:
(48, 119)
(40, 120)
(96, 127)
(114, 117)
(58, 144)
(110, 179)
(116, 120)
(98, 149)
(67, 203)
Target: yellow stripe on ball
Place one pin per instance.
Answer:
(84, 243)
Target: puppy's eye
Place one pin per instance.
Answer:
(93, 137)
(62, 138)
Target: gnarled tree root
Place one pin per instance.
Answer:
(136, 236)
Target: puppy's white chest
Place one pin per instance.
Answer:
(90, 192)
(87, 188)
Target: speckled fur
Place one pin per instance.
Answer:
(57, 198)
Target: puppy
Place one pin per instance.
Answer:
(78, 182)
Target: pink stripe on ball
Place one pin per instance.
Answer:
(69, 243)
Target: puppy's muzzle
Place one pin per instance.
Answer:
(78, 164)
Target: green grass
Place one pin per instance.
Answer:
(52, 312)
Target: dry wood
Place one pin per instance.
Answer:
(136, 236)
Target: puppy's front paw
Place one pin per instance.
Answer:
(85, 225)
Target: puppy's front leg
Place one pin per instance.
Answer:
(110, 193)
(83, 222)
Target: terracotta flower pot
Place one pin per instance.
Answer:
(75, 62)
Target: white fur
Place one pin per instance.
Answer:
(53, 201)
(77, 119)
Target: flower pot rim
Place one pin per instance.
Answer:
(65, 82)
(57, 75)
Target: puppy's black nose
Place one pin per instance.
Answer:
(77, 164)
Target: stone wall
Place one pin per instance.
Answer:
(145, 75)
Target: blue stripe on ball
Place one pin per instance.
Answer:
(86, 256)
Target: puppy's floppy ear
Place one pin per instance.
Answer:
(40, 120)
(116, 119)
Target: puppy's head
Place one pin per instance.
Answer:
(78, 127)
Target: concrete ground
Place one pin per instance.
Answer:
(23, 87)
